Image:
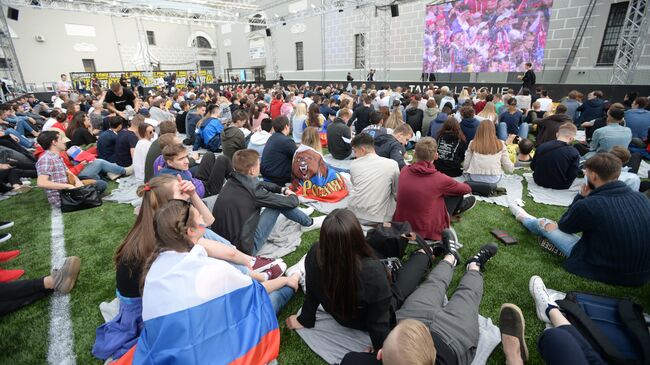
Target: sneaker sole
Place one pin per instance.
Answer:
(521, 336)
(8, 225)
(531, 290)
(6, 238)
(71, 268)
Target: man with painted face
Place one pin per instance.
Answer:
(613, 220)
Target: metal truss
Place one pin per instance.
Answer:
(13, 72)
(212, 12)
(631, 43)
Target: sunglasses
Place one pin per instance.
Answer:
(188, 205)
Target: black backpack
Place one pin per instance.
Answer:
(614, 327)
(386, 239)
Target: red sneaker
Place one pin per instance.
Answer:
(8, 255)
(262, 263)
(276, 271)
(10, 275)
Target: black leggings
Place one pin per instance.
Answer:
(17, 294)
(213, 172)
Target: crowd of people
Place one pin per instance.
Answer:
(183, 260)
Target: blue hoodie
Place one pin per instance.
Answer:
(469, 127)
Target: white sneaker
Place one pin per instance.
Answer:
(129, 171)
(540, 297)
(519, 212)
(300, 269)
(308, 211)
(317, 223)
(113, 176)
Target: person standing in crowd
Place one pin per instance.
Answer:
(528, 79)
(63, 86)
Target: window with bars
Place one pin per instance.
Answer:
(4, 63)
(612, 34)
(151, 38)
(89, 65)
(359, 50)
(300, 61)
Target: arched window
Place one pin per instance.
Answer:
(201, 42)
(257, 22)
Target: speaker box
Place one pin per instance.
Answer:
(12, 13)
(268, 32)
(394, 10)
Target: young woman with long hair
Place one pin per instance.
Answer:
(489, 112)
(298, 120)
(203, 301)
(396, 117)
(452, 145)
(344, 275)
(486, 158)
(314, 117)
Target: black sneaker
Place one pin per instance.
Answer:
(467, 204)
(448, 245)
(486, 252)
(6, 224)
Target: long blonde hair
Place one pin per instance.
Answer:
(489, 112)
(486, 142)
(395, 119)
(311, 138)
(301, 110)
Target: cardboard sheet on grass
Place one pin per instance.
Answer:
(513, 186)
(548, 196)
(643, 170)
(331, 341)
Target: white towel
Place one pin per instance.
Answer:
(548, 196)
(513, 186)
(643, 170)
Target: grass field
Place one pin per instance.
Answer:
(94, 234)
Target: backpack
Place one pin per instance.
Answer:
(387, 240)
(614, 327)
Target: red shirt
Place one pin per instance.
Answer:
(276, 104)
(420, 198)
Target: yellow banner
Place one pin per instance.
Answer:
(84, 80)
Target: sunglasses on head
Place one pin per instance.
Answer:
(187, 204)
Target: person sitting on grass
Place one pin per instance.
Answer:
(556, 163)
(238, 209)
(155, 150)
(107, 139)
(428, 332)
(126, 141)
(258, 140)
(203, 311)
(376, 127)
(486, 158)
(561, 344)
(114, 338)
(630, 179)
(339, 136)
(605, 211)
(233, 138)
(17, 294)
(374, 182)
(511, 122)
(469, 124)
(393, 145)
(146, 134)
(614, 134)
(451, 148)
(52, 172)
(278, 153)
(548, 127)
(209, 130)
(521, 151)
(426, 197)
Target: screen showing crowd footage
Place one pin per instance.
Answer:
(485, 35)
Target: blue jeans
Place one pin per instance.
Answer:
(22, 140)
(94, 169)
(267, 220)
(563, 241)
(565, 345)
(502, 131)
(280, 298)
(212, 236)
(22, 127)
(100, 186)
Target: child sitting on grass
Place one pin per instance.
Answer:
(521, 151)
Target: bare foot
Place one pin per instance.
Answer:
(294, 281)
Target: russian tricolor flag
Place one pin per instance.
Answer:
(200, 310)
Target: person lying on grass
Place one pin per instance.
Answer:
(116, 337)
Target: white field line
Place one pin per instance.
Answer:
(61, 338)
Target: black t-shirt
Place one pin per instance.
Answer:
(126, 140)
(127, 279)
(82, 137)
(444, 355)
(120, 102)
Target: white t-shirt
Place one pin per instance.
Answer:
(545, 104)
(49, 123)
(139, 157)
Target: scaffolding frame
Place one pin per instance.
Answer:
(13, 71)
(631, 43)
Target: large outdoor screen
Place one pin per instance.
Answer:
(485, 35)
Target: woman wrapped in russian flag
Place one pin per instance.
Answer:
(197, 309)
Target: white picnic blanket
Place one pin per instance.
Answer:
(341, 164)
(548, 196)
(127, 192)
(331, 341)
(513, 186)
(283, 240)
(643, 170)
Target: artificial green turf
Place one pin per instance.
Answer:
(94, 234)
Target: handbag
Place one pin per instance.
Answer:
(387, 238)
(84, 197)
